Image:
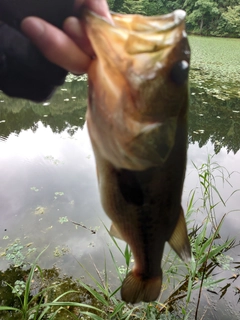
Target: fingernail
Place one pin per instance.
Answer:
(32, 26)
(73, 25)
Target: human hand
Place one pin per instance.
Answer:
(70, 49)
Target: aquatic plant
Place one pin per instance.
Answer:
(214, 69)
(14, 253)
(36, 307)
(207, 245)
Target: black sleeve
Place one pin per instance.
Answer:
(24, 72)
(12, 12)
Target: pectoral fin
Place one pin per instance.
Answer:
(114, 232)
(179, 240)
(154, 142)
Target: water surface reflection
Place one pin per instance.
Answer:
(48, 178)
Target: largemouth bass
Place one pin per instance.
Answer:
(137, 122)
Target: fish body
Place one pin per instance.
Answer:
(137, 122)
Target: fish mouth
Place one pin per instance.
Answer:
(148, 34)
(145, 34)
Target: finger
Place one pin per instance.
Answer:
(98, 6)
(75, 29)
(55, 45)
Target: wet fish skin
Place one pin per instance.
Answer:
(137, 122)
(131, 93)
(145, 219)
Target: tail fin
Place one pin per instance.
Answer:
(136, 289)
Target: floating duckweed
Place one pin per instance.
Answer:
(39, 210)
(59, 252)
(225, 262)
(63, 219)
(122, 270)
(19, 287)
(34, 189)
(53, 160)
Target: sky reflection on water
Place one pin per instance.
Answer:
(57, 172)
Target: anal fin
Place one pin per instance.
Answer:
(114, 232)
(179, 239)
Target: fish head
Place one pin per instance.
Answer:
(138, 86)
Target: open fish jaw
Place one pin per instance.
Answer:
(141, 23)
(135, 33)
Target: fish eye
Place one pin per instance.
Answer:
(179, 72)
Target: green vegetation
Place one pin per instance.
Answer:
(37, 294)
(32, 303)
(204, 17)
(214, 113)
(215, 65)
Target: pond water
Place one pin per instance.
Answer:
(48, 188)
